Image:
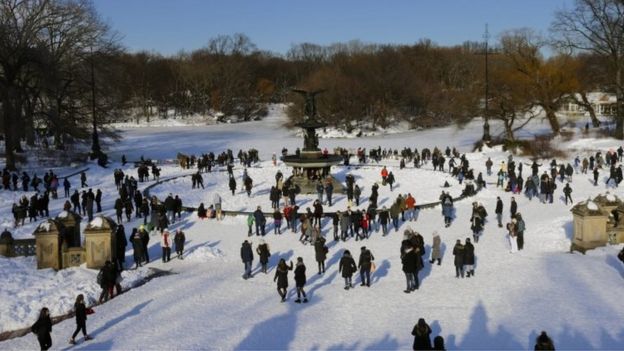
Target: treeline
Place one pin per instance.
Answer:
(61, 68)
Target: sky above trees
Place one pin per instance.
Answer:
(167, 27)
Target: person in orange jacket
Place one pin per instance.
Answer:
(410, 203)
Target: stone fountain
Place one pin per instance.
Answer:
(310, 164)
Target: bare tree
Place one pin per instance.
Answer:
(597, 26)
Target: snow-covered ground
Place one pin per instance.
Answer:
(207, 305)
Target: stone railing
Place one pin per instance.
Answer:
(19, 247)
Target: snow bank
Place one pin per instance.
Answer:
(204, 253)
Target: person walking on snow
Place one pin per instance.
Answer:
(42, 328)
(365, 265)
(81, 319)
(281, 277)
(347, 268)
(264, 253)
(300, 280)
(179, 240)
(567, 191)
(247, 257)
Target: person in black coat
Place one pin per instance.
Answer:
(458, 252)
(421, 333)
(144, 235)
(121, 243)
(137, 247)
(347, 268)
(543, 342)
(499, 211)
(232, 184)
(469, 258)
(247, 257)
(365, 264)
(264, 253)
(179, 240)
(438, 341)
(260, 221)
(300, 280)
(320, 251)
(410, 260)
(513, 208)
(81, 319)
(281, 277)
(107, 281)
(43, 328)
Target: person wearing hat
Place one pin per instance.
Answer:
(365, 264)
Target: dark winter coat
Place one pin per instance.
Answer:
(499, 206)
(300, 276)
(246, 252)
(81, 313)
(347, 266)
(366, 259)
(410, 261)
(179, 240)
(422, 339)
(281, 275)
(513, 208)
(42, 327)
(458, 252)
(263, 251)
(259, 217)
(320, 250)
(469, 256)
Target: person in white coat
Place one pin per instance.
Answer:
(166, 241)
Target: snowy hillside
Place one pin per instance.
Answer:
(206, 304)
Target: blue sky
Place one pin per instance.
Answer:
(167, 26)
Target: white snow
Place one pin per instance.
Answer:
(45, 226)
(97, 223)
(63, 214)
(592, 206)
(575, 297)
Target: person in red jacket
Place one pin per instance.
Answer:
(384, 175)
(410, 204)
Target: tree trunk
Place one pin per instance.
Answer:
(619, 112)
(592, 113)
(508, 130)
(29, 126)
(9, 140)
(552, 119)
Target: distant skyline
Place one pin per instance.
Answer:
(168, 26)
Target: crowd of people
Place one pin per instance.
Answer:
(351, 222)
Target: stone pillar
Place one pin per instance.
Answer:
(590, 226)
(100, 242)
(48, 241)
(6, 244)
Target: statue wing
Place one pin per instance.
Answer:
(302, 92)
